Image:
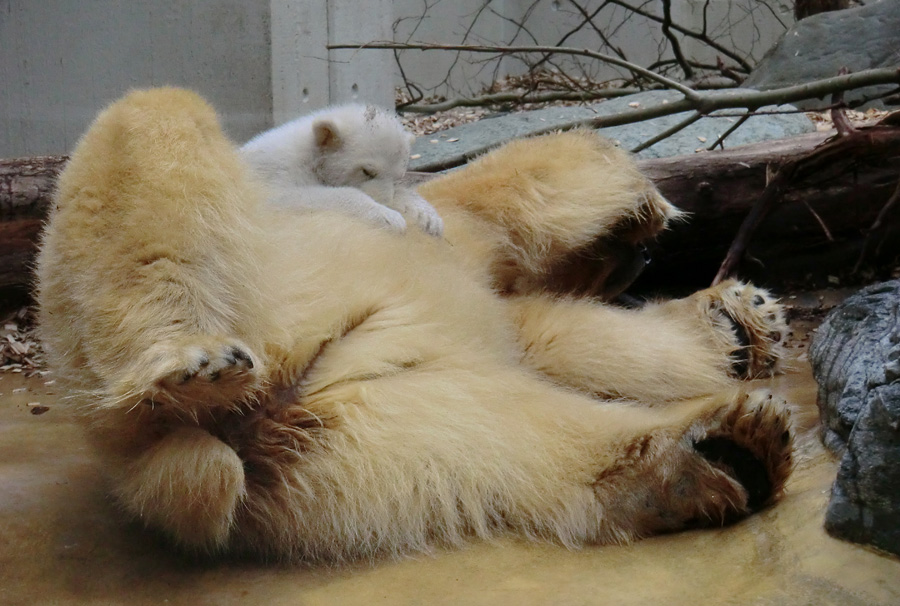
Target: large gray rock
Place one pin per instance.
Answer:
(470, 139)
(819, 46)
(855, 358)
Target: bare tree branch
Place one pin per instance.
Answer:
(702, 36)
(703, 103)
(687, 91)
(527, 97)
(673, 41)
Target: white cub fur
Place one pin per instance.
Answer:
(349, 158)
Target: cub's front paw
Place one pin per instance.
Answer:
(386, 218)
(421, 212)
(428, 219)
(754, 322)
(197, 371)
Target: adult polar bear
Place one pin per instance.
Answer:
(306, 386)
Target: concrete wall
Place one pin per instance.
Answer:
(306, 75)
(262, 62)
(63, 60)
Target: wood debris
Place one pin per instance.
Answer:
(20, 351)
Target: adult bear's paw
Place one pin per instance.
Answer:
(194, 373)
(750, 442)
(754, 321)
(733, 459)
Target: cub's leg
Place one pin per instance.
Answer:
(666, 351)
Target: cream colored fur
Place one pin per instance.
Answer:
(255, 384)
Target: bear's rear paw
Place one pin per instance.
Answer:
(195, 372)
(750, 442)
(753, 320)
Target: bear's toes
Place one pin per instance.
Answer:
(212, 371)
(754, 322)
(227, 362)
(752, 443)
(189, 375)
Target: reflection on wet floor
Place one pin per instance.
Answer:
(62, 542)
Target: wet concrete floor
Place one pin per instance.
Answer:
(62, 542)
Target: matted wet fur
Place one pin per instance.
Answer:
(309, 387)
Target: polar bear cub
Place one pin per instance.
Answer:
(348, 158)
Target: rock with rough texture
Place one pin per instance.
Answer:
(468, 140)
(855, 358)
(819, 46)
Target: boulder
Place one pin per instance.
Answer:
(855, 357)
(819, 46)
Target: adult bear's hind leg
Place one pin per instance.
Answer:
(732, 461)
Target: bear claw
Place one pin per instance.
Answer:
(755, 321)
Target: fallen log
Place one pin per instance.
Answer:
(26, 186)
(816, 230)
(716, 188)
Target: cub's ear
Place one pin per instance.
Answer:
(326, 134)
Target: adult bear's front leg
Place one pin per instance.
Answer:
(665, 351)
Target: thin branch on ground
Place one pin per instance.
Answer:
(514, 97)
(773, 192)
(668, 132)
(820, 221)
(721, 140)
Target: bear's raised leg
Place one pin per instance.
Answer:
(666, 351)
(170, 308)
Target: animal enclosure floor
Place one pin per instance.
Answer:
(62, 542)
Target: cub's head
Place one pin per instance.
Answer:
(363, 147)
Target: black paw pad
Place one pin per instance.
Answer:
(740, 464)
(240, 354)
(741, 364)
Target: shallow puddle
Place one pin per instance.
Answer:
(62, 542)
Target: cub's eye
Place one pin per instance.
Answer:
(369, 173)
